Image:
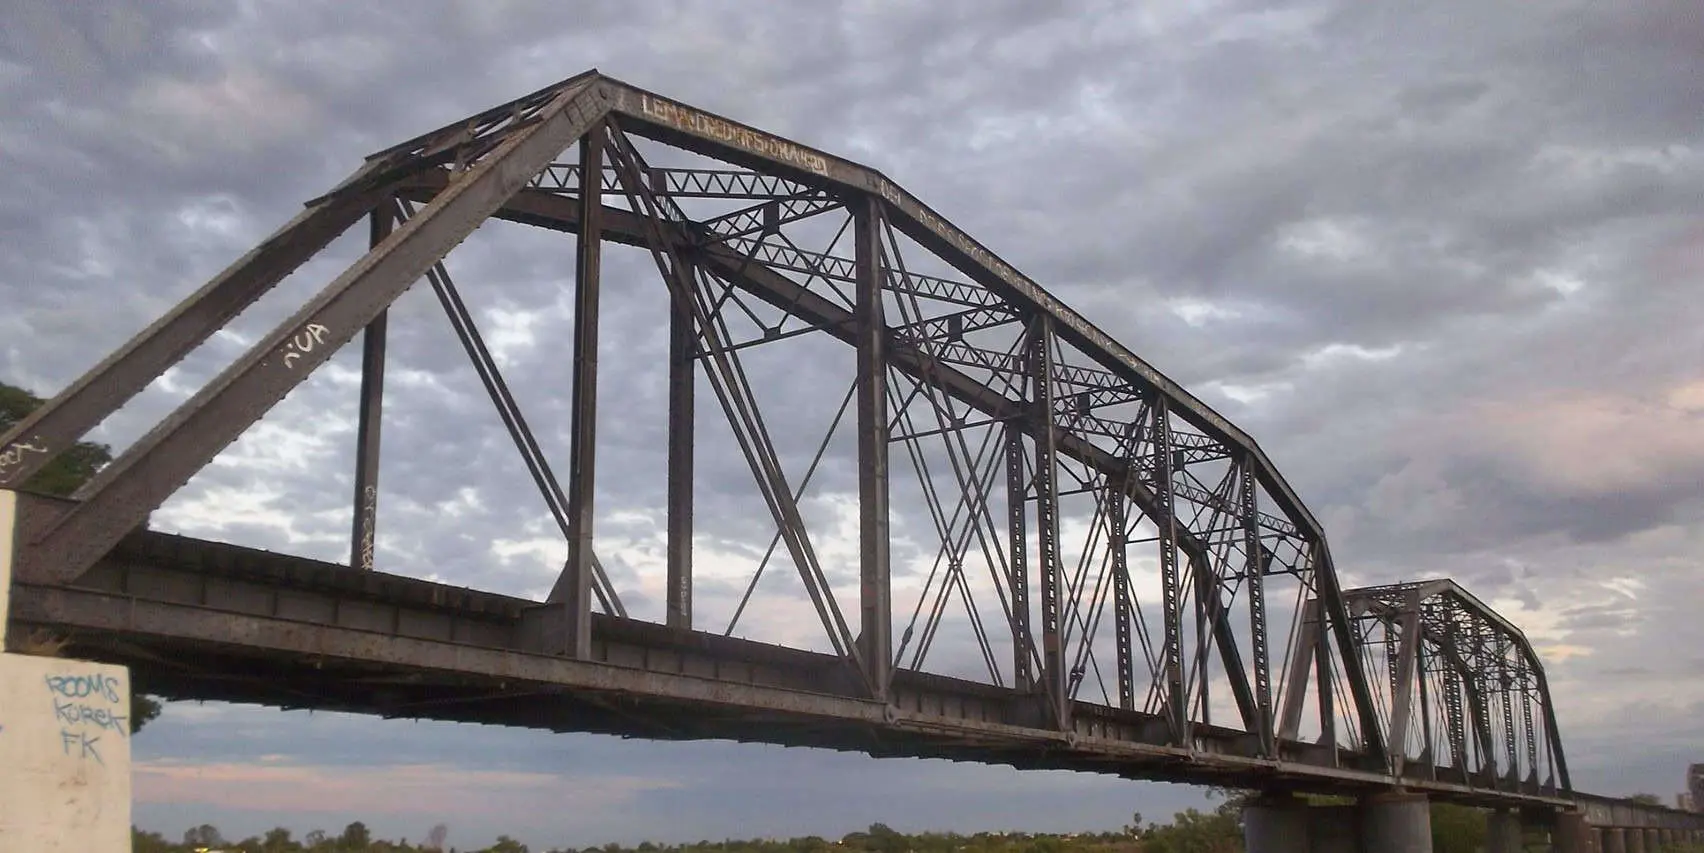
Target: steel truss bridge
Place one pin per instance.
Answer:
(1045, 482)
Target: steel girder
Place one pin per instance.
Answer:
(1080, 417)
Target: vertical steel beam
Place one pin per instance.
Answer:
(1045, 483)
(1479, 711)
(1117, 533)
(1017, 500)
(1454, 722)
(1206, 596)
(1177, 700)
(1301, 661)
(1505, 694)
(1407, 657)
(1254, 580)
(1428, 749)
(582, 465)
(876, 632)
(1526, 719)
(1326, 687)
(367, 428)
(683, 353)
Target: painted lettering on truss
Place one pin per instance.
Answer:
(304, 342)
(15, 455)
(369, 518)
(720, 129)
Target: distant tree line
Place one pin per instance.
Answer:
(1455, 829)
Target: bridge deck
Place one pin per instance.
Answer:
(188, 615)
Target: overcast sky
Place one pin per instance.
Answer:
(1443, 263)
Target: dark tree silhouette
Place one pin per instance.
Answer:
(436, 837)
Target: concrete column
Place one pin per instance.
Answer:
(1396, 823)
(1503, 832)
(1635, 839)
(1614, 840)
(1275, 825)
(64, 742)
(1653, 839)
(1571, 834)
(1334, 829)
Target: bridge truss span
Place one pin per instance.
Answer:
(1467, 694)
(1055, 555)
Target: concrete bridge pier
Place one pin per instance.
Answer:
(1276, 824)
(1571, 834)
(1503, 832)
(64, 741)
(1635, 840)
(1397, 823)
(1380, 823)
(1612, 839)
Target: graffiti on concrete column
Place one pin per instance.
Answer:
(87, 708)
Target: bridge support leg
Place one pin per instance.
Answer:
(1571, 834)
(1635, 839)
(1503, 832)
(1335, 829)
(1614, 840)
(1276, 824)
(1396, 823)
(65, 750)
(1383, 823)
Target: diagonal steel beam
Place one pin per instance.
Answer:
(169, 455)
(61, 422)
